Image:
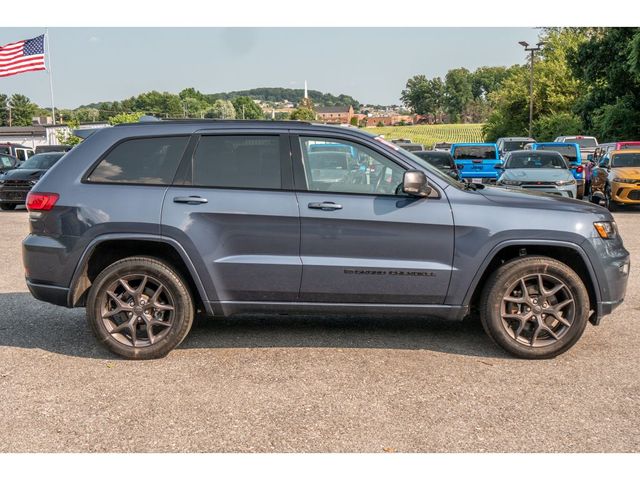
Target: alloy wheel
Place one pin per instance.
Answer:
(538, 310)
(137, 310)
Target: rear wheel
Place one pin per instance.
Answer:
(140, 308)
(609, 203)
(7, 206)
(535, 307)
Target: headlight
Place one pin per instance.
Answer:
(606, 230)
(511, 182)
(566, 182)
(625, 180)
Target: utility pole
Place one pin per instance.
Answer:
(9, 107)
(538, 47)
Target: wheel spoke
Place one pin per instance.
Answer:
(541, 289)
(121, 327)
(126, 286)
(120, 306)
(535, 334)
(563, 304)
(149, 326)
(525, 292)
(138, 292)
(160, 323)
(514, 299)
(555, 290)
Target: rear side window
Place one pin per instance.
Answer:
(238, 161)
(152, 161)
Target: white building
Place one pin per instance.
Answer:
(36, 135)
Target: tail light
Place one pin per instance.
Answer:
(579, 169)
(41, 202)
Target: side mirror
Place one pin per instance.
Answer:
(414, 183)
(499, 166)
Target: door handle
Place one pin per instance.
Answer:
(193, 200)
(328, 206)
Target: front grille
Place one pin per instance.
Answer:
(17, 183)
(539, 184)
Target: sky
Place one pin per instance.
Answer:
(370, 64)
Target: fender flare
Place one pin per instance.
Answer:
(522, 241)
(89, 249)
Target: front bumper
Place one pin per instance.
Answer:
(625, 193)
(16, 195)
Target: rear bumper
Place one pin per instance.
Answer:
(49, 293)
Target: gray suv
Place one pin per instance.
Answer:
(148, 224)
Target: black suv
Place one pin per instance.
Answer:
(147, 224)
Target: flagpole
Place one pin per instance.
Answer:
(46, 38)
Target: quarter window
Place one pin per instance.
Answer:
(238, 161)
(332, 165)
(152, 161)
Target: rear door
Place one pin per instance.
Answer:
(361, 240)
(234, 210)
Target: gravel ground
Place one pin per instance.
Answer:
(286, 384)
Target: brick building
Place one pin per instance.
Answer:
(340, 114)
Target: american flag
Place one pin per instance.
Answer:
(22, 56)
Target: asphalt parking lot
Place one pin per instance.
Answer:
(285, 384)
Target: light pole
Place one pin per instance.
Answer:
(527, 48)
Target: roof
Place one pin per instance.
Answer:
(338, 109)
(33, 130)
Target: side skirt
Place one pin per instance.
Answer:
(445, 312)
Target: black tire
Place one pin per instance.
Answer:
(169, 323)
(499, 290)
(610, 204)
(7, 206)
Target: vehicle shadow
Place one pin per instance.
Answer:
(28, 323)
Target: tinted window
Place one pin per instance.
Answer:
(42, 161)
(21, 154)
(5, 150)
(242, 161)
(584, 142)
(355, 169)
(627, 146)
(437, 159)
(512, 145)
(568, 152)
(536, 160)
(468, 153)
(151, 161)
(626, 160)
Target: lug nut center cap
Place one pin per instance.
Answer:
(537, 309)
(138, 310)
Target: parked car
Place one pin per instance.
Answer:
(16, 183)
(7, 162)
(441, 160)
(616, 179)
(147, 224)
(399, 141)
(442, 147)
(510, 144)
(572, 154)
(476, 161)
(537, 171)
(21, 152)
(411, 147)
(588, 145)
(53, 148)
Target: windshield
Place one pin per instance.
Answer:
(437, 159)
(536, 160)
(626, 160)
(41, 161)
(475, 152)
(515, 145)
(584, 142)
(629, 146)
(568, 151)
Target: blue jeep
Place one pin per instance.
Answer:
(571, 152)
(476, 161)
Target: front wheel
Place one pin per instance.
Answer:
(140, 308)
(608, 201)
(535, 307)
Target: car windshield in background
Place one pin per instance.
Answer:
(437, 159)
(629, 146)
(585, 142)
(515, 145)
(470, 153)
(568, 152)
(42, 161)
(626, 160)
(539, 160)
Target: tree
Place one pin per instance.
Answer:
(66, 137)
(458, 92)
(4, 110)
(303, 114)
(424, 96)
(22, 110)
(125, 118)
(608, 65)
(221, 109)
(548, 127)
(247, 109)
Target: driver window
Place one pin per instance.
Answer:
(333, 165)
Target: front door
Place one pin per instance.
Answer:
(362, 240)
